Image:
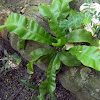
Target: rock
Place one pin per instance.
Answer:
(29, 46)
(4, 12)
(13, 5)
(82, 81)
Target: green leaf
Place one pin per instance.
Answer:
(57, 30)
(45, 11)
(63, 24)
(2, 27)
(6, 53)
(36, 54)
(58, 8)
(58, 43)
(65, 9)
(98, 13)
(30, 86)
(56, 62)
(68, 59)
(88, 55)
(73, 12)
(57, 11)
(75, 20)
(21, 44)
(52, 17)
(49, 85)
(81, 35)
(15, 59)
(87, 19)
(30, 67)
(27, 30)
(55, 8)
(86, 5)
(95, 12)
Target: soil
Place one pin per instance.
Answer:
(11, 87)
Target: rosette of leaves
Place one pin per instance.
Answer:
(88, 55)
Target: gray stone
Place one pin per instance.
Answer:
(4, 12)
(82, 81)
(29, 46)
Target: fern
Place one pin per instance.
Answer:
(56, 15)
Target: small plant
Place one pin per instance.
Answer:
(10, 61)
(30, 85)
(69, 43)
(27, 83)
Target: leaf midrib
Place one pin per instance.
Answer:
(91, 58)
(31, 32)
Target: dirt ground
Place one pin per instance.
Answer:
(12, 89)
